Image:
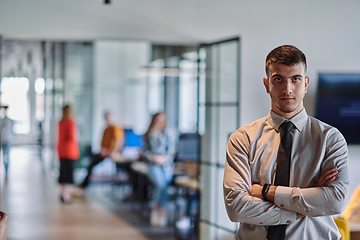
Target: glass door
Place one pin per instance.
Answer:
(219, 116)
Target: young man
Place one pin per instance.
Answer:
(112, 142)
(312, 160)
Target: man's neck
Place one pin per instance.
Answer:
(287, 115)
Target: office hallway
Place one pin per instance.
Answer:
(30, 196)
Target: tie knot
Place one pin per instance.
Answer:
(287, 126)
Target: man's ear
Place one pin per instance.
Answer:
(307, 80)
(266, 84)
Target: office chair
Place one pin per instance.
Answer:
(343, 226)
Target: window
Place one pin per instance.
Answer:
(14, 93)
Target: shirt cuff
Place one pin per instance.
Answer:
(287, 217)
(282, 196)
(281, 199)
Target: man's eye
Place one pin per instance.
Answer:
(277, 79)
(296, 79)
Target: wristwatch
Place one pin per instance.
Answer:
(264, 191)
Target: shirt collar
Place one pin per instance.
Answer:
(299, 120)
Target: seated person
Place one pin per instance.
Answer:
(111, 144)
(159, 152)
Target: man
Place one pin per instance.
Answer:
(313, 163)
(111, 144)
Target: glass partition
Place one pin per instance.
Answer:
(219, 116)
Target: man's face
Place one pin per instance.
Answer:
(287, 86)
(108, 118)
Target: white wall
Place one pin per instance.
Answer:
(117, 66)
(326, 31)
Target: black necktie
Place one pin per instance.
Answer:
(282, 176)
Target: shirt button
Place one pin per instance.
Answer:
(288, 221)
(282, 205)
(261, 223)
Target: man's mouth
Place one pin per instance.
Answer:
(287, 98)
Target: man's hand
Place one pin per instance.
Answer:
(104, 152)
(256, 191)
(328, 176)
(3, 227)
(299, 215)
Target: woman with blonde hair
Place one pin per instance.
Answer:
(68, 151)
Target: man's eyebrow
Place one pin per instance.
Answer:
(278, 75)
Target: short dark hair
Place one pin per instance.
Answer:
(287, 55)
(106, 113)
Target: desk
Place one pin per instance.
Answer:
(191, 187)
(354, 230)
(141, 184)
(140, 167)
(187, 182)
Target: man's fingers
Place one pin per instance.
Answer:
(329, 171)
(328, 176)
(331, 176)
(329, 181)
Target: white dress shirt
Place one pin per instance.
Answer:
(251, 158)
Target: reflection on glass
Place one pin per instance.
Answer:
(156, 87)
(188, 96)
(40, 85)
(39, 89)
(49, 84)
(58, 83)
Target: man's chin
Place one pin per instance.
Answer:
(287, 110)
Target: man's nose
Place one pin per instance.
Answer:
(288, 87)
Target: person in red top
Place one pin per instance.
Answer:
(68, 151)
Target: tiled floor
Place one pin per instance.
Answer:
(30, 196)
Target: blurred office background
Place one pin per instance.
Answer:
(202, 62)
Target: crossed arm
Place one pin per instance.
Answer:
(328, 176)
(244, 201)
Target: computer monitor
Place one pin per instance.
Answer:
(132, 145)
(132, 139)
(188, 148)
(338, 103)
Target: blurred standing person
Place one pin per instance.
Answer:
(159, 150)
(6, 138)
(68, 151)
(111, 144)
